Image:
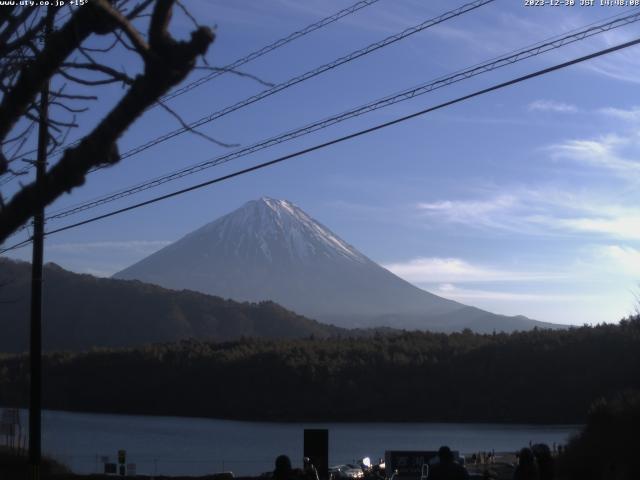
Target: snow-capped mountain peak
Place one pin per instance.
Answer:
(276, 228)
(270, 249)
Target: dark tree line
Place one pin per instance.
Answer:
(607, 446)
(538, 376)
(81, 312)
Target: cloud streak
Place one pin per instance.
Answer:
(551, 106)
(131, 246)
(607, 152)
(454, 292)
(630, 115)
(451, 270)
(540, 212)
(621, 258)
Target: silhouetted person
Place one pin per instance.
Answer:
(447, 468)
(283, 469)
(546, 464)
(527, 468)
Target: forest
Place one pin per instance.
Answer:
(539, 376)
(81, 313)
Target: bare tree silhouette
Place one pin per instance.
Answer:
(82, 52)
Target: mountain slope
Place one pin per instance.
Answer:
(272, 250)
(82, 311)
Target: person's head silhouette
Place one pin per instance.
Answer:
(445, 455)
(283, 464)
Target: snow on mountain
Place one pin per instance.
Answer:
(270, 249)
(265, 221)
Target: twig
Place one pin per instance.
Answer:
(97, 67)
(235, 72)
(136, 39)
(92, 83)
(194, 131)
(188, 14)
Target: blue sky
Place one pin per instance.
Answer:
(522, 201)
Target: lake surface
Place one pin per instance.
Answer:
(197, 446)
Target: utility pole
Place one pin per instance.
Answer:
(35, 344)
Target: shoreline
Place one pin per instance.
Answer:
(312, 421)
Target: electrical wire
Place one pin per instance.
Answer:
(232, 66)
(359, 133)
(295, 80)
(307, 75)
(269, 48)
(404, 95)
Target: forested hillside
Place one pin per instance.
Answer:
(537, 376)
(83, 311)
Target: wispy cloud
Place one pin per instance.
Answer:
(623, 225)
(544, 211)
(551, 106)
(131, 246)
(621, 258)
(607, 152)
(485, 211)
(454, 292)
(448, 32)
(451, 270)
(623, 65)
(631, 114)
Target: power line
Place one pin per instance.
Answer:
(359, 133)
(15, 246)
(294, 80)
(232, 66)
(272, 46)
(408, 94)
(308, 75)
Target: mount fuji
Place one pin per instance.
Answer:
(272, 250)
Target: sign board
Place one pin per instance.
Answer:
(131, 469)
(316, 447)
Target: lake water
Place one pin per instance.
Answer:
(197, 446)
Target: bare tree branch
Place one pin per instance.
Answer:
(192, 130)
(100, 50)
(24, 39)
(97, 67)
(14, 23)
(122, 22)
(166, 63)
(116, 77)
(59, 46)
(73, 97)
(235, 72)
(68, 108)
(187, 14)
(138, 9)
